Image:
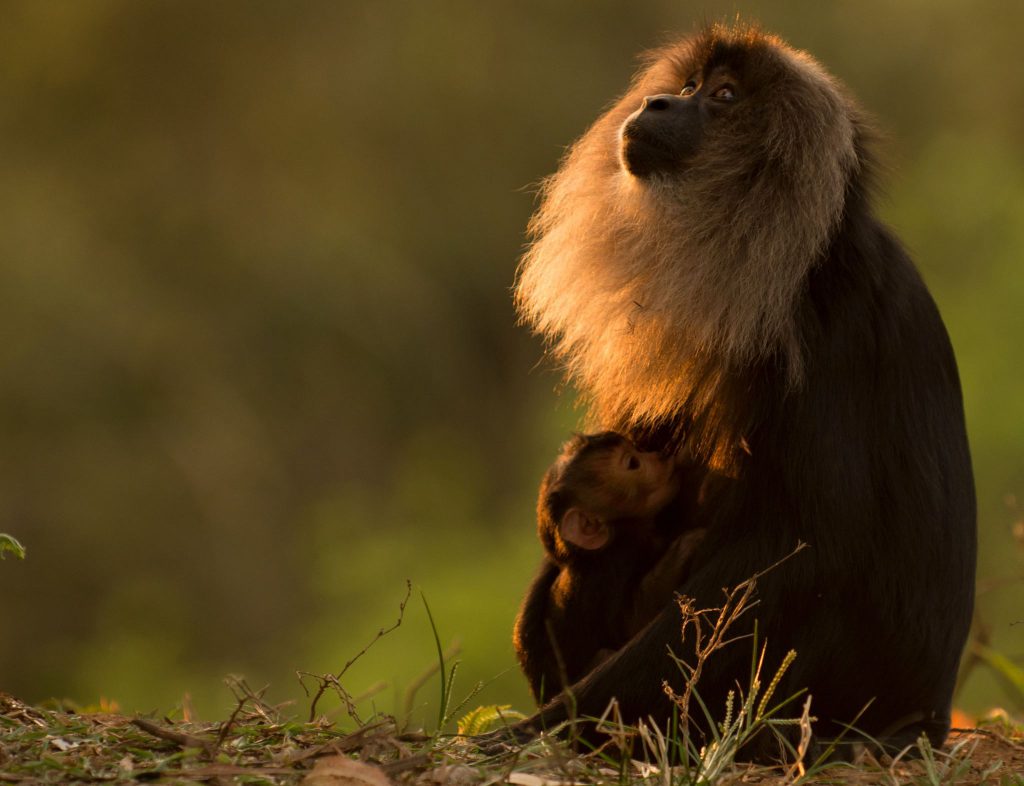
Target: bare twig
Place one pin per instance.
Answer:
(738, 601)
(245, 695)
(177, 737)
(349, 742)
(797, 768)
(334, 680)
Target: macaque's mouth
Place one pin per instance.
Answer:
(643, 152)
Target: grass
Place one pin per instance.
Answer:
(258, 744)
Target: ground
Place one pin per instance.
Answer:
(257, 746)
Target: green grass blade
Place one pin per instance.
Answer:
(442, 670)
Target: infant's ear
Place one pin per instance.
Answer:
(583, 530)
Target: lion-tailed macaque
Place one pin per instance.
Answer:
(708, 268)
(608, 516)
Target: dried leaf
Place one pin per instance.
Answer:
(343, 771)
(526, 779)
(62, 745)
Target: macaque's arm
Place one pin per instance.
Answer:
(661, 582)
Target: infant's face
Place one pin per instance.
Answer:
(631, 483)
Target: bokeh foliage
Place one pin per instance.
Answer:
(260, 363)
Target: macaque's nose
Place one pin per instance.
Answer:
(660, 103)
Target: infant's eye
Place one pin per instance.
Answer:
(688, 89)
(724, 93)
(632, 462)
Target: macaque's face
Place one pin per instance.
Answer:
(633, 484)
(613, 483)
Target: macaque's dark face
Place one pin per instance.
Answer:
(666, 131)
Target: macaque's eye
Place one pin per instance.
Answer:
(724, 93)
(689, 89)
(632, 462)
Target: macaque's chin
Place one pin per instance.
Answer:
(642, 154)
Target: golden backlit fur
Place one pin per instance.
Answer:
(650, 291)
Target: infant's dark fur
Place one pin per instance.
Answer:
(609, 518)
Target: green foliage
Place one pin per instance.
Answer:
(752, 717)
(255, 744)
(446, 678)
(9, 545)
(943, 768)
(487, 718)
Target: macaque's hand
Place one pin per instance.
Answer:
(658, 586)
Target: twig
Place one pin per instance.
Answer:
(797, 768)
(243, 695)
(333, 680)
(177, 737)
(738, 601)
(340, 746)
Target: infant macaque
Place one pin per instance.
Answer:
(613, 521)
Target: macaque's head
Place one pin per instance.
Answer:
(600, 486)
(674, 244)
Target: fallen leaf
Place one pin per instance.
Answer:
(526, 779)
(343, 771)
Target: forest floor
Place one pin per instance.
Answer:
(255, 745)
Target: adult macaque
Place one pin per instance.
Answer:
(609, 517)
(708, 268)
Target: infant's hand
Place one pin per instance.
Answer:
(679, 554)
(660, 584)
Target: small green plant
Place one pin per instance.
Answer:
(447, 678)
(684, 758)
(9, 544)
(939, 768)
(446, 712)
(747, 716)
(487, 718)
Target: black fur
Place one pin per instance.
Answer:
(867, 461)
(584, 603)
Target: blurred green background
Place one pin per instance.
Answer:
(259, 362)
